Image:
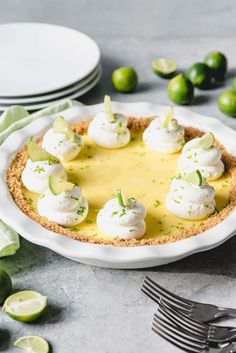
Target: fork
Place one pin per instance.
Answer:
(198, 311)
(181, 340)
(210, 333)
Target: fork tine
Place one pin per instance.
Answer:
(149, 288)
(184, 341)
(190, 320)
(164, 292)
(154, 298)
(182, 323)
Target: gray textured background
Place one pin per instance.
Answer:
(101, 310)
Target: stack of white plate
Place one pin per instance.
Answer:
(41, 64)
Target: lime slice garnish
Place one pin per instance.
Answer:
(62, 127)
(194, 178)
(37, 153)
(164, 67)
(168, 118)
(11, 115)
(108, 109)
(32, 344)
(25, 306)
(206, 141)
(121, 198)
(9, 240)
(58, 185)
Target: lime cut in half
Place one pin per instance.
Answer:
(168, 118)
(58, 185)
(25, 306)
(194, 178)
(62, 127)
(121, 198)
(32, 344)
(108, 109)
(206, 141)
(164, 68)
(37, 153)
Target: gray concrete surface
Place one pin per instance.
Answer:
(94, 310)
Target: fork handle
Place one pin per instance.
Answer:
(226, 312)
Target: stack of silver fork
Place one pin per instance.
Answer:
(187, 324)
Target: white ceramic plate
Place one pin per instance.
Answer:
(104, 255)
(38, 58)
(52, 96)
(73, 95)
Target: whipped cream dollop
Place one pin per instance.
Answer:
(60, 146)
(207, 160)
(122, 222)
(169, 139)
(109, 134)
(190, 201)
(35, 174)
(66, 209)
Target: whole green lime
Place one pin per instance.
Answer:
(124, 79)
(234, 84)
(200, 75)
(5, 285)
(180, 89)
(227, 102)
(218, 63)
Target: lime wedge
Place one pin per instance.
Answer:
(9, 240)
(32, 344)
(25, 306)
(58, 185)
(194, 178)
(11, 115)
(108, 109)
(168, 118)
(165, 68)
(206, 141)
(121, 198)
(37, 153)
(61, 126)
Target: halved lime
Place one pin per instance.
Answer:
(9, 240)
(121, 198)
(58, 185)
(206, 141)
(165, 68)
(108, 108)
(32, 344)
(25, 306)
(5, 285)
(37, 153)
(62, 127)
(168, 118)
(194, 178)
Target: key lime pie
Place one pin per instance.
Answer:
(124, 181)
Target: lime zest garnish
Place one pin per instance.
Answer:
(121, 198)
(37, 153)
(33, 344)
(108, 109)
(194, 178)
(62, 127)
(58, 185)
(168, 118)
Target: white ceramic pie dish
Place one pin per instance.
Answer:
(105, 255)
